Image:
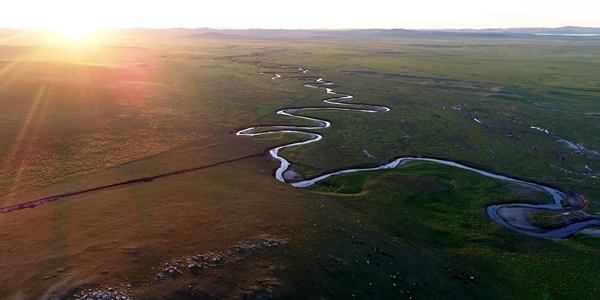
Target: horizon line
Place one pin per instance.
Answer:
(315, 29)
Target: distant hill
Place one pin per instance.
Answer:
(44, 36)
(343, 34)
(213, 35)
(535, 30)
(394, 33)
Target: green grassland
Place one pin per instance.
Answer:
(508, 93)
(80, 116)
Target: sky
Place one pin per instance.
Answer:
(305, 14)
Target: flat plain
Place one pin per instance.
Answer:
(166, 202)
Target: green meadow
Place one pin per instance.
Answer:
(157, 115)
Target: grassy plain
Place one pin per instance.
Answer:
(80, 116)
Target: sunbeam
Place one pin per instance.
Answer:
(22, 133)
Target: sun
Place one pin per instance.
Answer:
(76, 32)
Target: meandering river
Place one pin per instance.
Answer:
(507, 218)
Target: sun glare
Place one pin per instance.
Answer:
(75, 33)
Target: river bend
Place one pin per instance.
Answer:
(284, 174)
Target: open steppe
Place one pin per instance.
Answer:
(139, 131)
